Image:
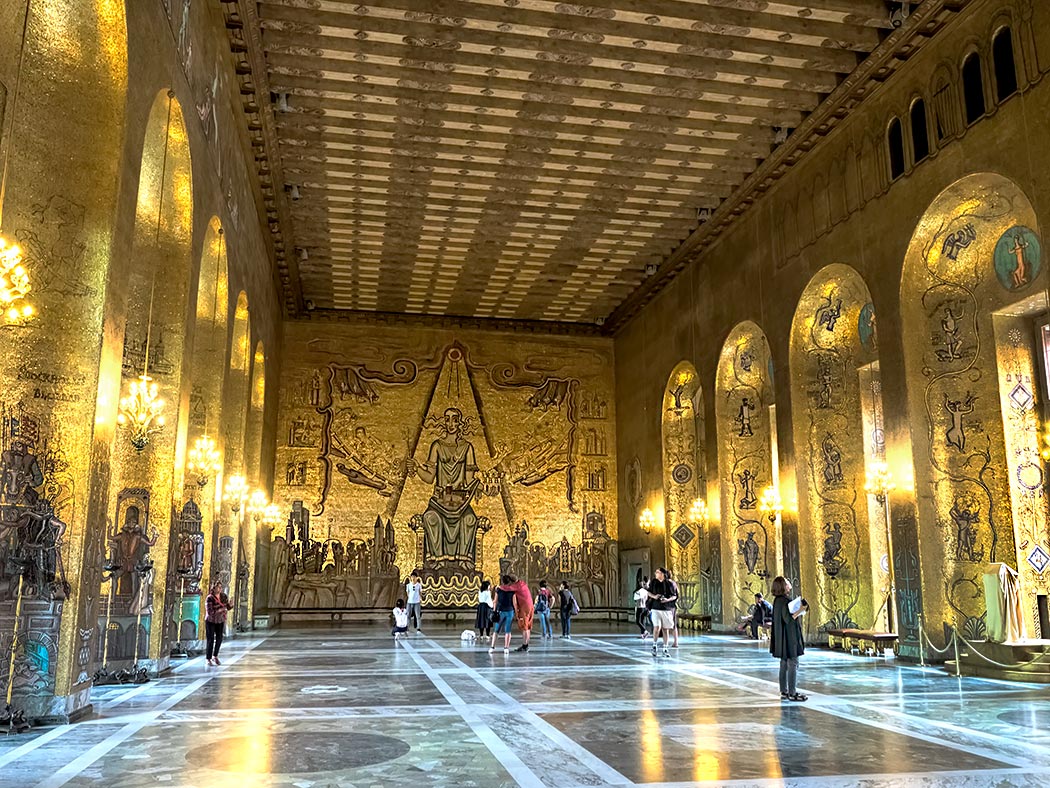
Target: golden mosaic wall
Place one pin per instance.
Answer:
(978, 475)
(685, 483)
(465, 454)
(751, 544)
(844, 556)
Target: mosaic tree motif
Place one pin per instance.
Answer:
(972, 284)
(687, 536)
(751, 544)
(841, 544)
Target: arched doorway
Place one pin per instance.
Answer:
(685, 489)
(746, 425)
(974, 314)
(143, 477)
(835, 395)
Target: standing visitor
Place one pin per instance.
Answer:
(523, 610)
(400, 619)
(504, 613)
(569, 608)
(414, 592)
(641, 606)
(216, 606)
(662, 598)
(674, 592)
(785, 637)
(761, 616)
(483, 623)
(544, 600)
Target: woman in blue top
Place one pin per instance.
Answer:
(504, 613)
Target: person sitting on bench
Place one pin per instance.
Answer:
(761, 616)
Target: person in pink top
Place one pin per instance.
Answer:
(523, 610)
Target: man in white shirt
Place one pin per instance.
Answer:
(414, 591)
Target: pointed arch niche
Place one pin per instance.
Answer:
(835, 394)
(751, 544)
(229, 556)
(685, 485)
(974, 314)
(143, 484)
(207, 363)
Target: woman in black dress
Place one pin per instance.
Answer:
(483, 621)
(785, 639)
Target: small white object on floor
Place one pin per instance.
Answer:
(468, 636)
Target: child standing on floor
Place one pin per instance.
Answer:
(400, 619)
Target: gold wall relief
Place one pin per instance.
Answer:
(841, 547)
(687, 534)
(975, 253)
(751, 542)
(462, 455)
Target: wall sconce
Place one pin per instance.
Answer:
(236, 493)
(257, 504)
(204, 460)
(272, 516)
(1044, 441)
(646, 520)
(879, 481)
(770, 504)
(698, 513)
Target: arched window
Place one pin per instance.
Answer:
(973, 88)
(1005, 67)
(920, 136)
(895, 143)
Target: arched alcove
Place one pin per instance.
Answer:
(230, 559)
(143, 479)
(685, 484)
(973, 308)
(751, 544)
(835, 397)
(206, 360)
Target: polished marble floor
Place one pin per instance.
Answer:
(325, 707)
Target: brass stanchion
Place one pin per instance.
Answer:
(102, 675)
(922, 656)
(12, 720)
(955, 646)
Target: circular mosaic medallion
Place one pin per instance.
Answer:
(296, 752)
(682, 473)
(1030, 476)
(1017, 258)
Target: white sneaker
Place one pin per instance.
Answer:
(667, 653)
(491, 649)
(654, 649)
(506, 651)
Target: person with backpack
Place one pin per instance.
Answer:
(641, 606)
(569, 608)
(662, 598)
(543, 610)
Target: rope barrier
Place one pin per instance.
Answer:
(953, 645)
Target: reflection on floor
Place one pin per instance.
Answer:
(346, 707)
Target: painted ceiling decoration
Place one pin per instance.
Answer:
(526, 160)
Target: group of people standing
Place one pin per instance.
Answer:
(512, 601)
(656, 604)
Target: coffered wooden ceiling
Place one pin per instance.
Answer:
(528, 159)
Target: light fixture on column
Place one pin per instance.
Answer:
(770, 505)
(878, 480)
(14, 278)
(142, 409)
(272, 516)
(698, 512)
(236, 493)
(257, 504)
(646, 521)
(204, 460)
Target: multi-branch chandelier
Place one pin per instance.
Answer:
(236, 493)
(204, 460)
(272, 515)
(14, 284)
(141, 411)
(257, 504)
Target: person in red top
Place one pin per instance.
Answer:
(523, 610)
(216, 605)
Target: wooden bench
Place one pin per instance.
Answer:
(448, 613)
(694, 621)
(866, 640)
